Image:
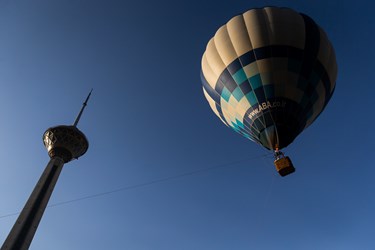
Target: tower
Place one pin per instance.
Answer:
(63, 143)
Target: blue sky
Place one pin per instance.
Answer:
(147, 120)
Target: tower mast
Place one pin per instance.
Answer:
(81, 111)
(63, 143)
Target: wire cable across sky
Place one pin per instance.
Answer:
(148, 183)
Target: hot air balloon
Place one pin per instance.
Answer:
(268, 74)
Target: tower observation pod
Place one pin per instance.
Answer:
(63, 143)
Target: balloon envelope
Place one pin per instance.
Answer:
(268, 74)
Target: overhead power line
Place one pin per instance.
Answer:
(148, 183)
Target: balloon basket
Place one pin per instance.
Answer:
(284, 166)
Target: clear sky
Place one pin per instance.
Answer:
(162, 171)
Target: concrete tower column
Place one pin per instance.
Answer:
(23, 231)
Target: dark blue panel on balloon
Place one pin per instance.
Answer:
(262, 53)
(245, 87)
(234, 66)
(279, 51)
(227, 78)
(247, 58)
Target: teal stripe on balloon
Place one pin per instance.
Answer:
(255, 81)
(225, 94)
(240, 76)
(238, 94)
(252, 98)
(240, 124)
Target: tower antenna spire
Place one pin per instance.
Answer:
(81, 111)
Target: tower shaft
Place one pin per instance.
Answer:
(24, 229)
